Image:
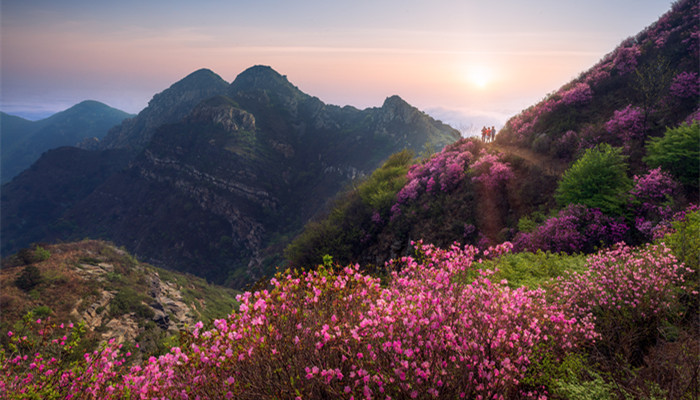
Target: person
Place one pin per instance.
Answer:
(483, 134)
(493, 133)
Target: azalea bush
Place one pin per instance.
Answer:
(491, 171)
(336, 333)
(685, 85)
(574, 229)
(631, 292)
(626, 124)
(339, 334)
(44, 360)
(441, 172)
(652, 200)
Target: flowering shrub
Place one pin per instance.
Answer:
(327, 334)
(490, 171)
(626, 58)
(338, 334)
(685, 85)
(567, 145)
(580, 93)
(651, 200)
(626, 124)
(629, 291)
(40, 362)
(444, 170)
(576, 228)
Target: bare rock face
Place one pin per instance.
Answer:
(221, 112)
(166, 302)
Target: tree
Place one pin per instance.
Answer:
(598, 180)
(677, 152)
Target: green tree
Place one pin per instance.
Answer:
(677, 151)
(598, 179)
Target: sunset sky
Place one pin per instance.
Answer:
(465, 62)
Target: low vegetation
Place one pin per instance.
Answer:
(446, 323)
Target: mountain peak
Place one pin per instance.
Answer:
(262, 77)
(199, 79)
(395, 102)
(168, 106)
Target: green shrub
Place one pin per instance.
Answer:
(678, 152)
(42, 312)
(41, 254)
(596, 389)
(598, 180)
(379, 191)
(684, 241)
(28, 256)
(127, 301)
(29, 278)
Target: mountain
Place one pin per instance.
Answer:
(103, 286)
(220, 186)
(169, 106)
(644, 92)
(33, 203)
(24, 141)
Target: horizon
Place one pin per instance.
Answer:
(467, 65)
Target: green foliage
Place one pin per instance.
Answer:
(684, 241)
(29, 278)
(598, 180)
(349, 226)
(564, 377)
(533, 269)
(677, 151)
(27, 256)
(528, 223)
(596, 389)
(42, 312)
(327, 260)
(379, 191)
(41, 254)
(127, 301)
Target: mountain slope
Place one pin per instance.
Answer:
(482, 193)
(33, 203)
(219, 191)
(168, 106)
(103, 286)
(23, 141)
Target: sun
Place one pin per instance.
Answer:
(479, 76)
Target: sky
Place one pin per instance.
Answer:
(466, 62)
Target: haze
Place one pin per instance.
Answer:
(466, 62)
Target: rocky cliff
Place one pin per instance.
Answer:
(113, 294)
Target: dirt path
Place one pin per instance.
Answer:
(491, 219)
(550, 166)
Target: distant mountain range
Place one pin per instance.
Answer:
(211, 178)
(23, 141)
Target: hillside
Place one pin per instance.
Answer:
(24, 141)
(108, 290)
(219, 187)
(486, 193)
(561, 261)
